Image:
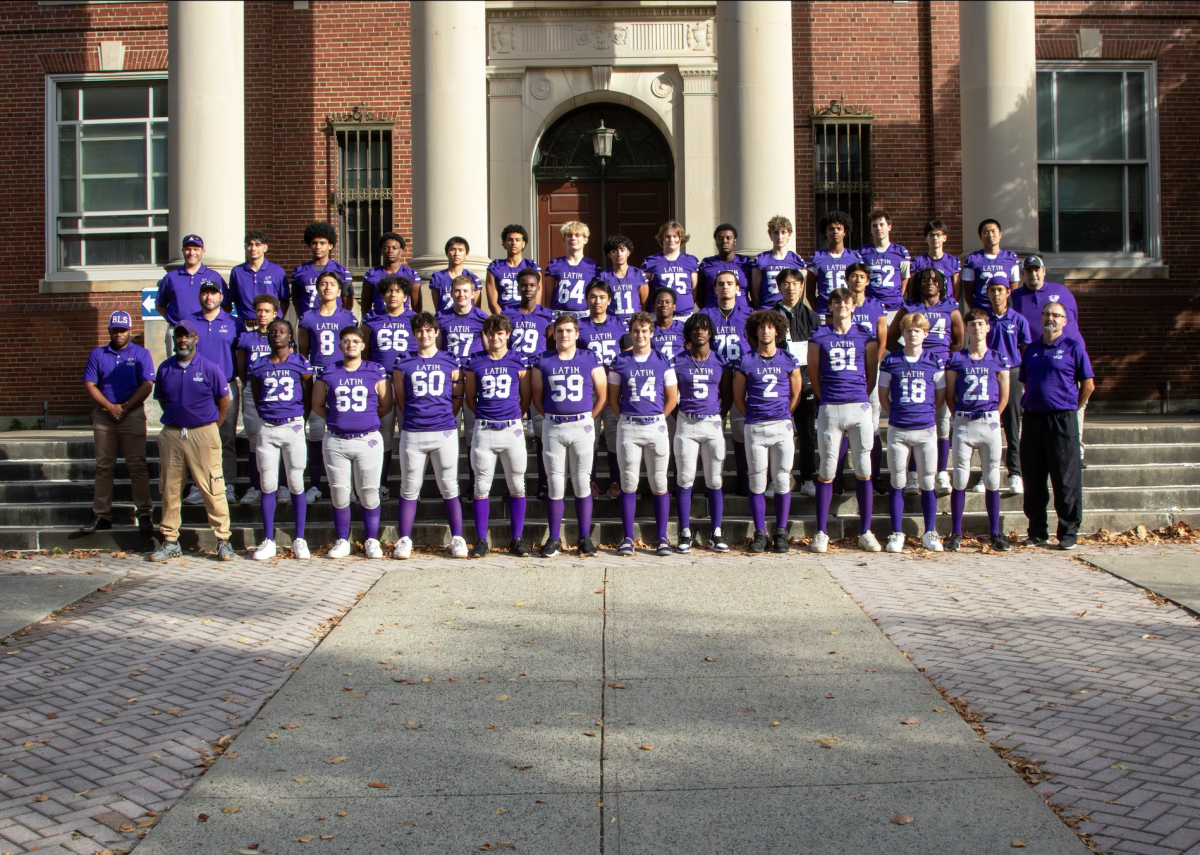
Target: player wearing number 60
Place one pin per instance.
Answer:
(351, 396)
(281, 388)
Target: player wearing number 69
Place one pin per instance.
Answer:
(351, 396)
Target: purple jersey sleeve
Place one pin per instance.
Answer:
(768, 385)
(843, 364)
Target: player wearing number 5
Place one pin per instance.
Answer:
(642, 393)
(428, 386)
(673, 268)
(568, 387)
(317, 341)
(281, 388)
(601, 334)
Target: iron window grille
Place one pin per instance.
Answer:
(363, 195)
(842, 167)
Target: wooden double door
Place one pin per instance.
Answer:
(635, 209)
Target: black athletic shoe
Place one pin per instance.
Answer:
(1036, 540)
(551, 548)
(1067, 541)
(685, 542)
(718, 543)
(480, 549)
(145, 527)
(98, 524)
(881, 486)
(517, 547)
(759, 544)
(780, 541)
(839, 486)
(586, 547)
(543, 491)
(954, 543)
(1000, 543)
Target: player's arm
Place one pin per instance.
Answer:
(302, 342)
(872, 365)
(644, 295)
(365, 332)
(368, 297)
(949, 392)
(614, 398)
(966, 288)
(524, 385)
(939, 396)
(456, 390)
(1085, 391)
(958, 332)
(810, 289)
(725, 390)
(469, 390)
(881, 337)
(239, 357)
(739, 391)
(256, 389)
(885, 392)
(670, 398)
(893, 333)
(814, 368)
(956, 285)
(796, 388)
(306, 392)
(1002, 377)
(549, 284)
(348, 293)
(535, 390)
(384, 390)
(319, 409)
(285, 296)
(600, 390)
(701, 291)
(223, 405)
(140, 394)
(755, 287)
(493, 294)
(398, 388)
(695, 277)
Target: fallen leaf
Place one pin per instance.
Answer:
(499, 811)
(518, 604)
(522, 768)
(202, 817)
(588, 733)
(775, 724)
(341, 813)
(300, 779)
(502, 697)
(174, 710)
(145, 823)
(486, 847)
(333, 761)
(710, 659)
(616, 685)
(308, 838)
(1118, 766)
(231, 809)
(939, 709)
(1020, 844)
(327, 837)
(831, 695)
(246, 852)
(42, 798)
(378, 785)
(912, 719)
(902, 819)
(825, 741)
(647, 747)
(244, 640)
(272, 736)
(125, 827)
(290, 726)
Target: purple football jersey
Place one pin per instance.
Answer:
(941, 327)
(567, 387)
(675, 274)
(1007, 334)
(867, 315)
(626, 291)
(281, 394)
(830, 271)
(440, 284)
(324, 336)
(768, 387)
(304, 284)
(390, 336)
(497, 386)
(912, 386)
(668, 341)
(603, 340)
(947, 264)
(770, 267)
(889, 267)
(730, 341)
(739, 267)
(428, 387)
(463, 334)
(979, 268)
(372, 277)
(571, 280)
(977, 387)
(351, 397)
(643, 381)
(843, 369)
(528, 337)
(506, 280)
(255, 345)
(700, 384)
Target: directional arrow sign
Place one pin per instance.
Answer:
(148, 296)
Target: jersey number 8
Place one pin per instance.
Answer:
(328, 342)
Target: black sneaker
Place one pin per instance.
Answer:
(543, 491)
(551, 548)
(586, 547)
(718, 543)
(685, 542)
(759, 544)
(480, 549)
(1036, 540)
(954, 543)
(780, 543)
(1000, 543)
(517, 547)
(145, 527)
(97, 524)
(1067, 541)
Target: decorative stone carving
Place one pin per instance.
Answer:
(839, 107)
(541, 89)
(502, 39)
(505, 84)
(601, 36)
(662, 86)
(358, 114)
(601, 76)
(699, 35)
(568, 40)
(699, 81)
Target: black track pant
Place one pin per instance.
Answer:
(1010, 420)
(1050, 448)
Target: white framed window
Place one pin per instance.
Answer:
(106, 176)
(1097, 144)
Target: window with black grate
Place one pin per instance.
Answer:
(842, 174)
(364, 193)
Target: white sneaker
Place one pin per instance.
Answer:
(194, 497)
(252, 496)
(808, 488)
(931, 541)
(374, 550)
(820, 542)
(943, 484)
(458, 547)
(300, 547)
(913, 486)
(340, 549)
(265, 550)
(895, 542)
(230, 496)
(312, 495)
(979, 487)
(1015, 484)
(384, 492)
(403, 548)
(867, 542)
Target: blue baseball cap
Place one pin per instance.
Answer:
(186, 326)
(196, 239)
(120, 320)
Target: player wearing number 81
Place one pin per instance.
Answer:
(351, 396)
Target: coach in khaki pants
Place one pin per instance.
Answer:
(195, 398)
(118, 378)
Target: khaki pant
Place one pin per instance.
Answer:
(129, 436)
(200, 453)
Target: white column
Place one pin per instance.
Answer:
(999, 120)
(757, 164)
(206, 148)
(449, 99)
(508, 165)
(700, 207)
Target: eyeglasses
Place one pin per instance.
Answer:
(1052, 315)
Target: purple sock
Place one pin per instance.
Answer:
(371, 522)
(758, 511)
(958, 501)
(316, 465)
(716, 507)
(341, 522)
(991, 499)
(516, 510)
(896, 507)
(299, 512)
(943, 454)
(866, 503)
(824, 498)
(453, 508)
(929, 509)
(406, 512)
(583, 514)
(684, 501)
(480, 507)
(267, 505)
(783, 506)
(255, 480)
(554, 510)
(628, 502)
(662, 513)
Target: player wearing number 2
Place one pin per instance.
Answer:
(673, 268)
(351, 396)
(568, 275)
(827, 267)
(601, 334)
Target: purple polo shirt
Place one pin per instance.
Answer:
(118, 373)
(372, 277)
(1052, 374)
(218, 339)
(304, 284)
(245, 284)
(179, 291)
(189, 395)
(1029, 304)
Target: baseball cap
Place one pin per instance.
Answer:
(210, 285)
(1033, 262)
(119, 320)
(196, 239)
(186, 325)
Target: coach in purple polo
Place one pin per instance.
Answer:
(179, 291)
(118, 379)
(255, 276)
(194, 395)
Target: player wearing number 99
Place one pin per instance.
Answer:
(673, 268)
(642, 393)
(428, 386)
(317, 342)
(281, 387)
(767, 384)
(497, 389)
(351, 396)
(601, 334)
(843, 355)
(977, 389)
(569, 388)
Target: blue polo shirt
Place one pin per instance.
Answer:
(1006, 334)
(179, 291)
(218, 339)
(189, 395)
(1052, 374)
(118, 373)
(1029, 304)
(245, 284)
